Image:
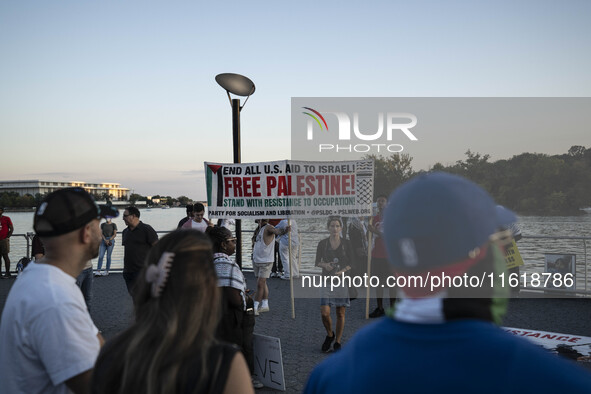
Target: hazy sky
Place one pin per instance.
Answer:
(124, 91)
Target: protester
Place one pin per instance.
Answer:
(138, 238)
(357, 234)
(6, 230)
(445, 338)
(49, 342)
(262, 258)
(109, 230)
(284, 249)
(379, 262)
(84, 282)
(237, 324)
(198, 222)
(277, 270)
(189, 209)
(171, 346)
(334, 255)
(37, 248)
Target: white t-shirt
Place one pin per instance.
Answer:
(201, 226)
(46, 333)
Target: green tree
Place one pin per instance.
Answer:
(183, 200)
(170, 201)
(134, 197)
(390, 172)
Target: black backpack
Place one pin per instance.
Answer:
(22, 264)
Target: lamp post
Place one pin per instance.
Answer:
(238, 85)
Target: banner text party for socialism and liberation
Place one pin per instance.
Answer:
(289, 189)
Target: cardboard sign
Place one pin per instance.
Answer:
(512, 256)
(564, 265)
(268, 361)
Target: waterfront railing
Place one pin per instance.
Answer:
(533, 249)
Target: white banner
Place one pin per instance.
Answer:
(579, 346)
(289, 189)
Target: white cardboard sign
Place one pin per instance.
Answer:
(268, 361)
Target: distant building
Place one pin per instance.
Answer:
(33, 187)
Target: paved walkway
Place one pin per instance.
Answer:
(301, 338)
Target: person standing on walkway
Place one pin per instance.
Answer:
(335, 256)
(109, 230)
(171, 346)
(237, 323)
(37, 248)
(189, 216)
(138, 238)
(379, 258)
(198, 222)
(262, 262)
(49, 342)
(6, 230)
(357, 235)
(84, 282)
(445, 339)
(284, 249)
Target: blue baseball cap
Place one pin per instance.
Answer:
(436, 220)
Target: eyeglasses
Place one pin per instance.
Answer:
(124, 215)
(231, 239)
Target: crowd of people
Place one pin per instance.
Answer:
(195, 319)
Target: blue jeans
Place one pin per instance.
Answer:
(102, 249)
(84, 282)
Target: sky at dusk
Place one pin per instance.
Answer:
(125, 92)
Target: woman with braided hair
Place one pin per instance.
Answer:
(237, 323)
(171, 347)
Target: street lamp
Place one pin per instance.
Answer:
(238, 85)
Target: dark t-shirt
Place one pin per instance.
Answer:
(343, 255)
(108, 229)
(137, 243)
(37, 247)
(379, 249)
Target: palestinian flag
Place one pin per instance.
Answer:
(214, 179)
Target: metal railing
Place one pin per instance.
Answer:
(532, 248)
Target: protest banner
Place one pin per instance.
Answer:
(289, 189)
(576, 347)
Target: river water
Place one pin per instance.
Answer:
(312, 230)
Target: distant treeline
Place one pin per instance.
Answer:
(529, 183)
(14, 200)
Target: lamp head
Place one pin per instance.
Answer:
(236, 84)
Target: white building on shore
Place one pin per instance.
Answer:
(33, 187)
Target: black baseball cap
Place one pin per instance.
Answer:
(66, 210)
